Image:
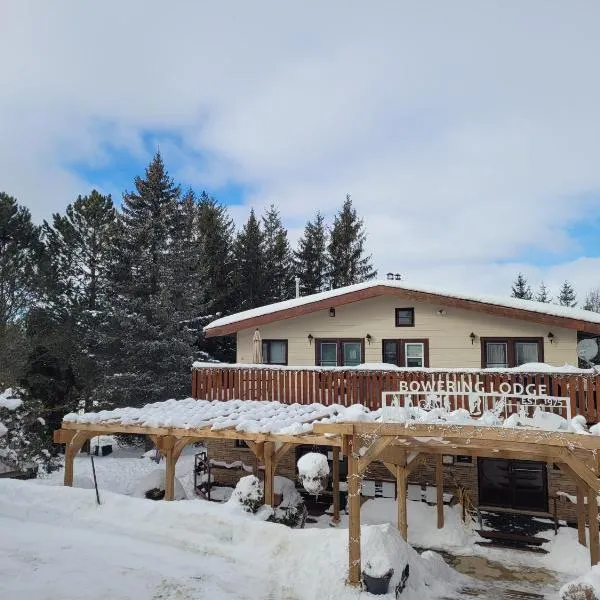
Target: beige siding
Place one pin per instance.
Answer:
(448, 335)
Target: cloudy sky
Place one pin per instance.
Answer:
(468, 133)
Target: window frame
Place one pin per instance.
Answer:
(266, 359)
(340, 348)
(401, 351)
(510, 348)
(410, 309)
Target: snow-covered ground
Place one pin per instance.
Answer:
(57, 543)
(137, 548)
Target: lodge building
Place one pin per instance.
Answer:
(381, 329)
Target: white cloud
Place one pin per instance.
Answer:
(466, 132)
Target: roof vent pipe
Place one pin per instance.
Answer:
(297, 287)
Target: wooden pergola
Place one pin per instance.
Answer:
(400, 447)
(268, 448)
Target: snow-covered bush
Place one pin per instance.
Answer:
(152, 486)
(25, 444)
(248, 494)
(313, 472)
(586, 587)
(291, 511)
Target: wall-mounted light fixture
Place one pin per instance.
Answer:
(369, 338)
(550, 337)
(310, 339)
(332, 312)
(473, 337)
(441, 312)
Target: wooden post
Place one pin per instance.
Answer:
(269, 492)
(354, 566)
(401, 492)
(74, 443)
(593, 524)
(336, 485)
(581, 515)
(171, 460)
(439, 483)
(69, 458)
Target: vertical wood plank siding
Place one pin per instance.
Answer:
(305, 385)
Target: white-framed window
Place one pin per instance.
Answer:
(414, 354)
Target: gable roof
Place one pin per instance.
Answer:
(528, 310)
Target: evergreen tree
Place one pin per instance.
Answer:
(543, 294)
(146, 343)
(25, 437)
(311, 257)
(21, 253)
(592, 300)
(566, 296)
(216, 235)
(251, 277)
(278, 258)
(148, 218)
(521, 288)
(347, 263)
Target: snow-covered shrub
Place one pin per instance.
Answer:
(152, 486)
(291, 511)
(313, 471)
(248, 494)
(586, 587)
(25, 443)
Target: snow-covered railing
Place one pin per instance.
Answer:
(365, 384)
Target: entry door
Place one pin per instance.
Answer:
(516, 484)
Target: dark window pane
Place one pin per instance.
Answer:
(352, 354)
(526, 352)
(390, 352)
(328, 354)
(405, 317)
(496, 354)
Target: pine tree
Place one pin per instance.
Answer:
(216, 235)
(543, 294)
(278, 258)
(521, 288)
(347, 263)
(25, 436)
(148, 217)
(250, 267)
(80, 246)
(566, 296)
(592, 300)
(21, 253)
(311, 257)
(146, 343)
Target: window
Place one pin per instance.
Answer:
(405, 317)
(275, 352)
(339, 352)
(498, 353)
(414, 354)
(406, 353)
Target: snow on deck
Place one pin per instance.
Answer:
(528, 305)
(273, 417)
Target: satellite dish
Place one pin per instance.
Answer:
(587, 349)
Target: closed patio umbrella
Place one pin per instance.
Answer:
(257, 356)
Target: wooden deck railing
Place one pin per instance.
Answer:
(306, 385)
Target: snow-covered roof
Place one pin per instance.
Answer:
(273, 417)
(381, 287)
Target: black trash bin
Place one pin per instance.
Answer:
(378, 586)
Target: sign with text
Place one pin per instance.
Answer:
(501, 400)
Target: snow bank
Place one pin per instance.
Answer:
(586, 587)
(275, 561)
(10, 400)
(156, 480)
